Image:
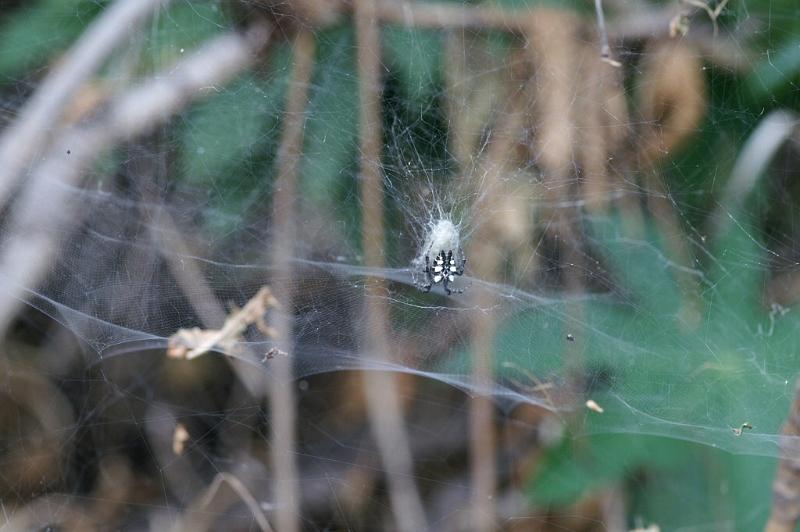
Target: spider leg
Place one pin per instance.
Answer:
(427, 287)
(447, 289)
(460, 270)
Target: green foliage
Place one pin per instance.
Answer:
(777, 72)
(416, 58)
(181, 28)
(578, 466)
(230, 127)
(331, 129)
(37, 33)
(689, 376)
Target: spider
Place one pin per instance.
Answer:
(444, 271)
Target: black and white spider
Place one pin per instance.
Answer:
(443, 271)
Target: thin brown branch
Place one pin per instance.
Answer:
(33, 236)
(634, 26)
(28, 135)
(486, 259)
(382, 397)
(219, 331)
(200, 515)
(555, 52)
(651, 23)
(786, 487)
(187, 273)
(281, 390)
(47, 510)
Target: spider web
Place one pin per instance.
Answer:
(630, 240)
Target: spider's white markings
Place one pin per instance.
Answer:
(444, 240)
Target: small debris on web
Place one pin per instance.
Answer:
(593, 406)
(738, 431)
(679, 25)
(191, 343)
(608, 60)
(570, 338)
(538, 386)
(605, 49)
(272, 353)
(179, 438)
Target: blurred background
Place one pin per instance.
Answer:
(215, 218)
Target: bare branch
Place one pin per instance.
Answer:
(196, 516)
(27, 136)
(639, 25)
(713, 14)
(33, 232)
(383, 401)
(281, 391)
(485, 262)
(786, 488)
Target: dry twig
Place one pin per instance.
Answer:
(486, 263)
(197, 515)
(786, 487)
(382, 397)
(27, 136)
(34, 234)
(761, 146)
(283, 249)
(636, 25)
(191, 343)
(179, 438)
(713, 14)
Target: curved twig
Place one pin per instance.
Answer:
(26, 137)
(188, 523)
(33, 232)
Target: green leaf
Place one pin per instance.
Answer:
(639, 262)
(416, 55)
(776, 71)
(331, 129)
(179, 29)
(39, 31)
(576, 467)
(231, 139)
(226, 129)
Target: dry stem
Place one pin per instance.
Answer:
(27, 136)
(33, 238)
(383, 402)
(199, 516)
(486, 263)
(283, 249)
(191, 343)
(186, 271)
(786, 488)
(638, 25)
